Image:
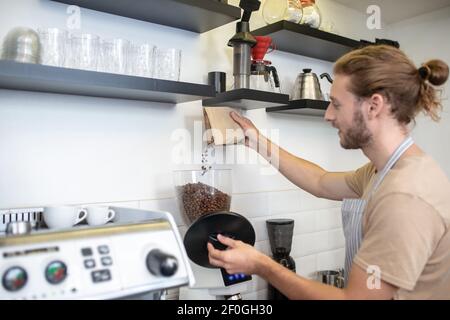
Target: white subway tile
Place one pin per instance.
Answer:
(169, 205)
(331, 260)
(250, 204)
(328, 219)
(123, 204)
(284, 202)
(310, 202)
(306, 266)
(330, 240)
(259, 224)
(304, 245)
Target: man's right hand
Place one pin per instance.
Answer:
(251, 133)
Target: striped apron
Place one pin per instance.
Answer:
(353, 210)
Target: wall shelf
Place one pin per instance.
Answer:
(41, 78)
(306, 41)
(247, 99)
(192, 15)
(302, 107)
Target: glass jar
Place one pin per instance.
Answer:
(294, 11)
(201, 192)
(274, 10)
(311, 14)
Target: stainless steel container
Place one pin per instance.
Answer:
(22, 45)
(331, 277)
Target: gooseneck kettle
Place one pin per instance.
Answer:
(307, 86)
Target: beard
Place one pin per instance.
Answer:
(358, 136)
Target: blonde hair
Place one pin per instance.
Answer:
(388, 71)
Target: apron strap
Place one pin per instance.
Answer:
(408, 142)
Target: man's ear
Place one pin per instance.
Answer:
(377, 104)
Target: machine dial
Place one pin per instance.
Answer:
(14, 279)
(56, 272)
(161, 264)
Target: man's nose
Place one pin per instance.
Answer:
(329, 115)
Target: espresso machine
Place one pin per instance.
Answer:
(204, 197)
(139, 256)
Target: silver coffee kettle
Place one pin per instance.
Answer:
(307, 86)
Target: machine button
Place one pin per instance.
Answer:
(89, 263)
(106, 261)
(86, 252)
(56, 272)
(14, 279)
(101, 275)
(103, 249)
(161, 264)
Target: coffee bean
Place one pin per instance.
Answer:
(198, 199)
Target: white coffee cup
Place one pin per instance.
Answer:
(63, 216)
(99, 215)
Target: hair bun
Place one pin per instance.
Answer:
(435, 71)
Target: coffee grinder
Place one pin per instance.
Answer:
(242, 42)
(204, 197)
(280, 237)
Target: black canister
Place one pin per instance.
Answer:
(217, 79)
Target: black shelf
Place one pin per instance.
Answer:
(41, 78)
(247, 99)
(303, 107)
(192, 15)
(306, 41)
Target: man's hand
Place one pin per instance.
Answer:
(251, 133)
(238, 258)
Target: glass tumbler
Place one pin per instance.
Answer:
(141, 60)
(167, 64)
(115, 56)
(84, 51)
(53, 46)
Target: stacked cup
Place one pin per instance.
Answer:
(57, 217)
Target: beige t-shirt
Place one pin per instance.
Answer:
(406, 227)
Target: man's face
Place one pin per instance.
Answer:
(345, 113)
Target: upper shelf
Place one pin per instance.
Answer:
(306, 41)
(247, 99)
(35, 77)
(192, 15)
(304, 107)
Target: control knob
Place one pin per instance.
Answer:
(160, 263)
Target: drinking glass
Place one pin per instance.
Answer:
(114, 55)
(167, 64)
(142, 60)
(84, 51)
(53, 45)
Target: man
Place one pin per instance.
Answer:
(396, 209)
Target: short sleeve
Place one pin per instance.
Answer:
(400, 234)
(359, 179)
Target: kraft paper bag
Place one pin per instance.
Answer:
(220, 127)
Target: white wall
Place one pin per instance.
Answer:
(424, 38)
(71, 149)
